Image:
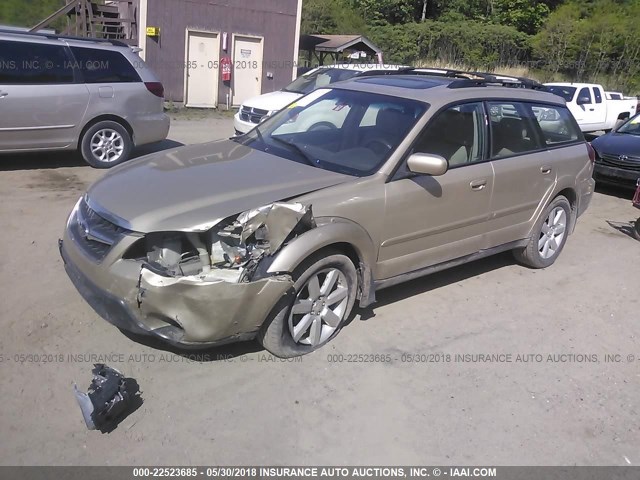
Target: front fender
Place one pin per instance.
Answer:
(329, 231)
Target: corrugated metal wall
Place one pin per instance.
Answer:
(275, 20)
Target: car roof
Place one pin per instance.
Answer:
(438, 90)
(51, 39)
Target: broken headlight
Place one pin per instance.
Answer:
(233, 248)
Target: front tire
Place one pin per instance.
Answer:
(548, 237)
(106, 144)
(325, 287)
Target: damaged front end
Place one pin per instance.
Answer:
(205, 286)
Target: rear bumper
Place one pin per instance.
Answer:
(586, 195)
(150, 128)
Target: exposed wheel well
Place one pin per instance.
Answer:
(102, 118)
(366, 291)
(345, 248)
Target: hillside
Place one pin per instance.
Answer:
(589, 40)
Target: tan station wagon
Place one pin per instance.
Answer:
(278, 233)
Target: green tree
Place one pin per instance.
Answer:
(525, 15)
(592, 41)
(27, 13)
(380, 12)
(330, 17)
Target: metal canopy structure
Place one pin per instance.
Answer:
(337, 47)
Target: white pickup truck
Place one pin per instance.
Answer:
(591, 107)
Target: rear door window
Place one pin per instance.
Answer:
(34, 64)
(597, 94)
(104, 66)
(556, 124)
(513, 129)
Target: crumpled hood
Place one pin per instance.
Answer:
(272, 101)
(192, 188)
(617, 144)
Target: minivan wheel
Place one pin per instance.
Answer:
(106, 144)
(548, 237)
(323, 295)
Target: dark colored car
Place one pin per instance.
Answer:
(618, 155)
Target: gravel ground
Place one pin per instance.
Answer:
(240, 405)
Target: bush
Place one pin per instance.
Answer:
(479, 45)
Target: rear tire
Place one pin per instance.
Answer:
(548, 237)
(323, 296)
(106, 144)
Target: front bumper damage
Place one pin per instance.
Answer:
(207, 310)
(184, 311)
(210, 307)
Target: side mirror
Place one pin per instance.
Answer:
(427, 164)
(583, 100)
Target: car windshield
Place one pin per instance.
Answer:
(565, 92)
(343, 131)
(632, 127)
(318, 78)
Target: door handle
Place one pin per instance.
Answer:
(478, 185)
(546, 170)
(3, 94)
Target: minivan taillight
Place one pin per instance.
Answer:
(592, 153)
(156, 88)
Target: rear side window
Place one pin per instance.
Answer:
(513, 129)
(556, 124)
(34, 64)
(104, 66)
(598, 95)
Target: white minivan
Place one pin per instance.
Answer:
(257, 109)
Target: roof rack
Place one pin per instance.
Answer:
(432, 72)
(489, 80)
(50, 36)
(462, 79)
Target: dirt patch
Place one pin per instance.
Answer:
(57, 181)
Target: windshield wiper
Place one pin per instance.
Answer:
(297, 148)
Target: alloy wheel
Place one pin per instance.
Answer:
(107, 145)
(319, 307)
(552, 233)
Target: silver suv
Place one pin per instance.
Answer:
(63, 93)
(279, 232)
